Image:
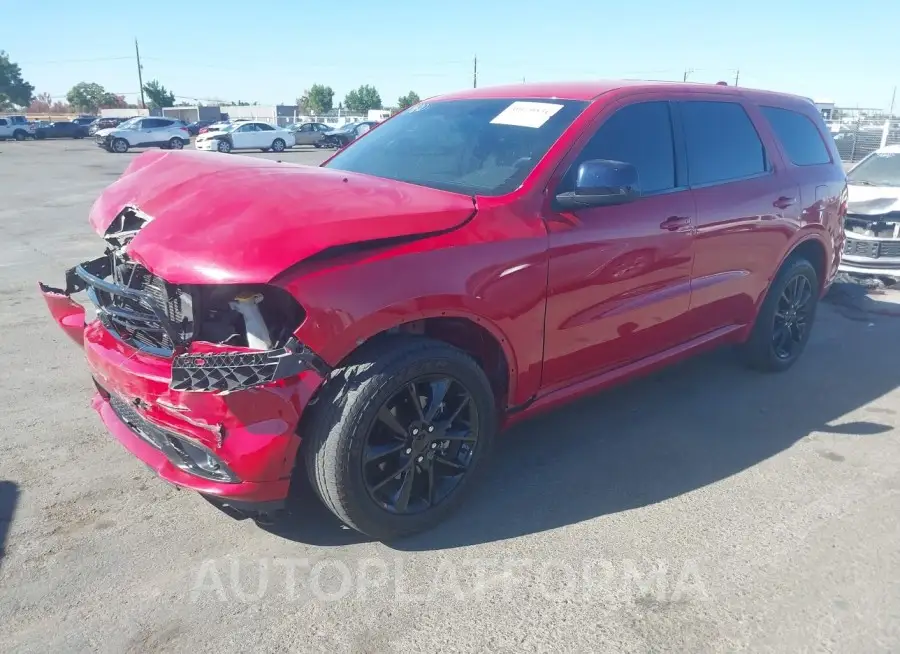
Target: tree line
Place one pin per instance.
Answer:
(90, 97)
(318, 99)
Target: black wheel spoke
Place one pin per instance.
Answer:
(450, 464)
(439, 390)
(375, 453)
(390, 420)
(459, 436)
(384, 482)
(459, 409)
(416, 400)
(405, 491)
(791, 320)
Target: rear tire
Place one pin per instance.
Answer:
(176, 143)
(783, 327)
(341, 424)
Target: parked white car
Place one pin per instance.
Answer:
(144, 132)
(246, 136)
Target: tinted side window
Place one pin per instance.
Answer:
(153, 123)
(722, 143)
(639, 134)
(3, 122)
(264, 127)
(798, 134)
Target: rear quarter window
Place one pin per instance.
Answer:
(799, 136)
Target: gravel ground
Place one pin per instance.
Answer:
(703, 509)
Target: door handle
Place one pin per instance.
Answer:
(674, 223)
(784, 202)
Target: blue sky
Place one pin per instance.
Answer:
(270, 51)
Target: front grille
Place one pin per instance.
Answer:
(137, 306)
(872, 249)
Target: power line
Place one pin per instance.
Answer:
(72, 61)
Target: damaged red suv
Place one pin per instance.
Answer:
(473, 260)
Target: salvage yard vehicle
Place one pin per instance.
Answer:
(144, 132)
(246, 136)
(872, 225)
(476, 259)
(309, 133)
(340, 137)
(16, 127)
(60, 129)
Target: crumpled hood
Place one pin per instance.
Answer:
(105, 131)
(234, 219)
(872, 200)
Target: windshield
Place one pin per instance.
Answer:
(477, 147)
(881, 169)
(131, 123)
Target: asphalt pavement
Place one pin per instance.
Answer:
(703, 509)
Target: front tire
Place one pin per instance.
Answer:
(223, 146)
(278, 145)
(20, 135)
(785, 319)
(120, 146)
(397, 437)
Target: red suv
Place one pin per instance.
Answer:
(475, 259)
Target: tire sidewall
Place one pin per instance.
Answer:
(223, 146)
(361, 405)
(278, 145)
(117, 149)
(176, 143)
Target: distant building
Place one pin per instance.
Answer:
(123, 113)
(193, 114)
(280, 114)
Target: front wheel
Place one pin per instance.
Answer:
(20, 135)
(278, 145)
(398, 437)
(120, 146)
(785, 319)
(223, 146)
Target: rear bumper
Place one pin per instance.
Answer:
(252, 433)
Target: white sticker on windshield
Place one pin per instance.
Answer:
(527, 114)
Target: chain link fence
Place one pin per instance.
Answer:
(859, 132)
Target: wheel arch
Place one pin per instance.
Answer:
(468, 331)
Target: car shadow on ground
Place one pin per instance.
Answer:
(655, 439)
(9, 498)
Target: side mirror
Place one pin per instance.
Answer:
(601, 182)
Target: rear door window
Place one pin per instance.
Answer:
(722, 143)
(799, 136)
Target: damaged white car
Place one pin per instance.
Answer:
(872, 225)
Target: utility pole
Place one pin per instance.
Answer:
(737, 76)
(893, 97)
(475, 73)
(687, 71)
(137, 54)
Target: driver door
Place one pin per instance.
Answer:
(620, 276)
(245, 137)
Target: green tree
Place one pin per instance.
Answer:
(320, 99)
(158, 95)
(408, 100)
(14, 91)
(87, 96)
(362, 99)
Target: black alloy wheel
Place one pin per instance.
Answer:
(399, 435)
(785, 319)
(792, 317)
(419, 447)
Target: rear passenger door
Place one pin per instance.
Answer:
(747, 208)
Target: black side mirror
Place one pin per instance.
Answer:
(601, 182)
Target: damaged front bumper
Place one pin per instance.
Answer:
(872, 245)
(180, 414)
